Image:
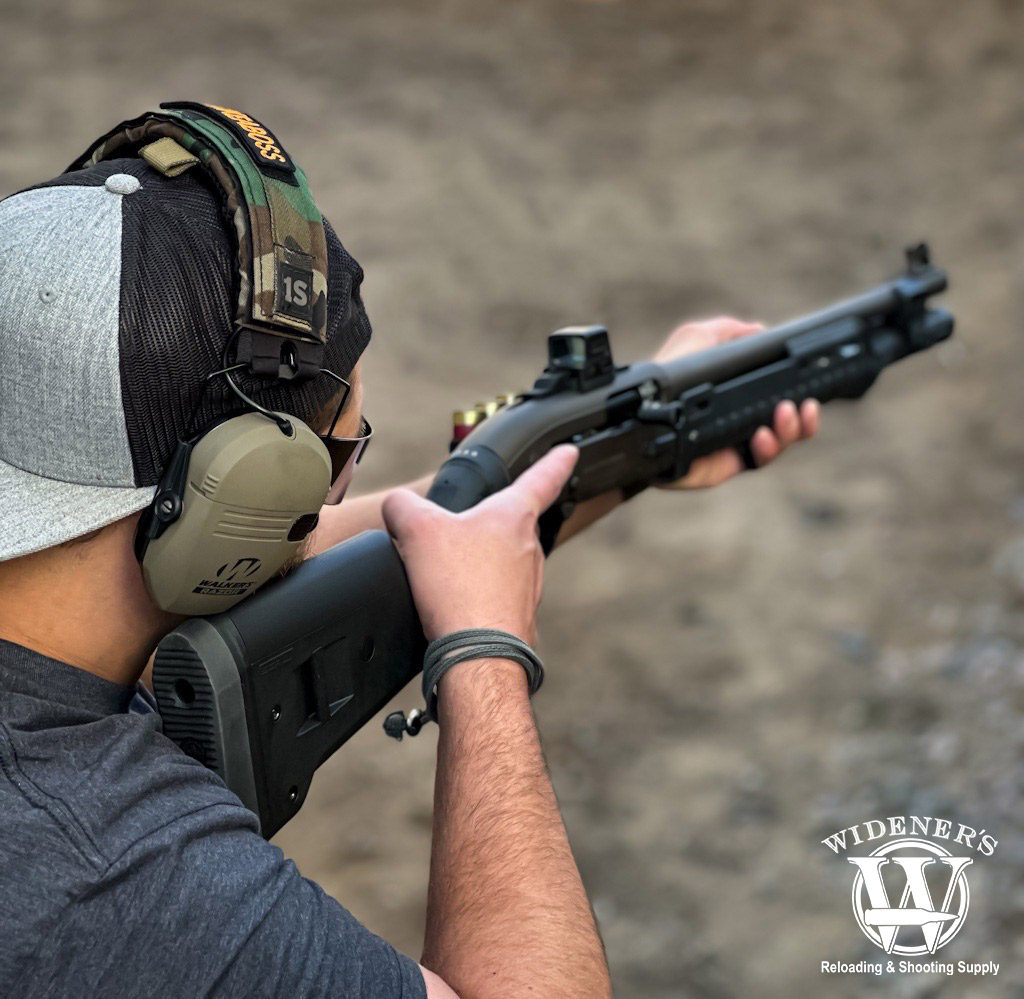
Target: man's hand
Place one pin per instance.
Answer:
(789, 424)
(482, 568)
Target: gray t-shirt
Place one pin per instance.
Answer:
(127, 869)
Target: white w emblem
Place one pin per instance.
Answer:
(881, 922)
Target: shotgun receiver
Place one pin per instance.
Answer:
(265, 692)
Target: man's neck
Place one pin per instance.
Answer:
(84, 604)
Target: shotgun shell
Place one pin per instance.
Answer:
(463, 421)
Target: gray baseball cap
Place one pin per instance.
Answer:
(116, 301)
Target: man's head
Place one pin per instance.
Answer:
(117, 292)
(116, 302)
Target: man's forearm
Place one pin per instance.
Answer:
(355, 515)
(507, 914)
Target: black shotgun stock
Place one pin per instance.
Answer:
(263, 693)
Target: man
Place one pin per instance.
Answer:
(126, 868)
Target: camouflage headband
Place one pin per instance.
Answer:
(282, 250)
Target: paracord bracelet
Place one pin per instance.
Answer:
(459, 647)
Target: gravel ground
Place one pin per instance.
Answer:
(733, 675)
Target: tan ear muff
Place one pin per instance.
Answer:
(250, 496)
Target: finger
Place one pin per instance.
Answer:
(724, 324)
(726, 328)
(400, 508)
(810, 417)
(786, 424)
(711, 470)
(542, 482)
(721, 329)
(764, 445)
(690, 338)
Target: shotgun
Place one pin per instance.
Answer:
(263, 693)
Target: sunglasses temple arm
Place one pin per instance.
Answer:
(344, 396)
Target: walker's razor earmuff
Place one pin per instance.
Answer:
(236, 501)
(231, 509)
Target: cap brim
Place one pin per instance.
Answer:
(37, 513)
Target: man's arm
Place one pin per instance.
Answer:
(338, 523)
(507, 914)
(355, 515)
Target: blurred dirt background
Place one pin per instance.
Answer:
(733, 675)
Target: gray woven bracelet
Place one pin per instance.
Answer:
(459, 647)
(476, 643)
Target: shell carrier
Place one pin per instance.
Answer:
(281, 313)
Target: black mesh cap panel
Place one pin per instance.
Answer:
(177, 295)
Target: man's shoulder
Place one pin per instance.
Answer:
(77, 801)
(137, 866)
(109, 783)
